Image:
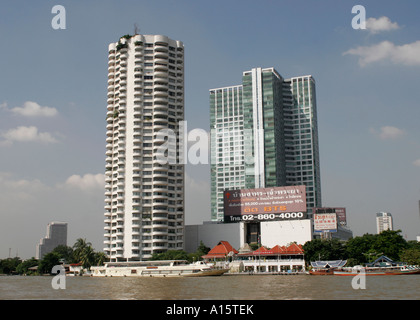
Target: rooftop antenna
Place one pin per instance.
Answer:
(136, 29)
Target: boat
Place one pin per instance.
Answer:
(326, 268)
(159, 268)
(378, 271)
(321, 272)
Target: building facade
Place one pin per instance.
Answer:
(383, 222)
(264, 133)
(301, 134)
(56, 236)
(144, 194)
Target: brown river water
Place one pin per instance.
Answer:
(227, 287)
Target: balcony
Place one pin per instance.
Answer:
(157, 232)
(160, 99)
(161, 68)
(161, 74)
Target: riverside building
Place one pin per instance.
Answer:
(144, 196)
(264, 134)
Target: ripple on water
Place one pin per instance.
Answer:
(244, 287)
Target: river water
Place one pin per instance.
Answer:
(227, 287)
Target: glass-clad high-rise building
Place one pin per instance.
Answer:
(301, 138)
(144, 196)
(264, 134)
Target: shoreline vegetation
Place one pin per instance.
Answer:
(357, 251)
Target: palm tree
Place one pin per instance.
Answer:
(87, 257)
(79, 248)
(100, 258)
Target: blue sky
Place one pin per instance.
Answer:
(53, 101)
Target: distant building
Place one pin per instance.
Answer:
(56, 236)
(383, 222)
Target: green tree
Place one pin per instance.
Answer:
(100, 258)
(413, 244)
(66, 253)
(8, 266)
(202, 249)
(23, 267)
(411, 256)
(390, 243)
(324, 249)
(87, 257)
(357, 249)
(197, 255)
(48, 262)
(78, 249)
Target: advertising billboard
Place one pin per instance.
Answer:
(325, 222)
(340, 212)
(265, 204)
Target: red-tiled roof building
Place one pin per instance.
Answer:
(221, 251)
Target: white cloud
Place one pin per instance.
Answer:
(33, 109)
(87, 182)
(381, 24)
(388, 133)
(407, 54)
(19, 190)
(26, 134)
(417, 163)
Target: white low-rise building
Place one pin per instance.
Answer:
(270, 233)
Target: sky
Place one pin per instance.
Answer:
(53, 90)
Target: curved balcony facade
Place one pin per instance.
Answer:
(136, 91)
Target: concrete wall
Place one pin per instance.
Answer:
(284, 232)
(211, 234)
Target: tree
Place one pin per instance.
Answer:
(79, 247)
(48, 262)
(324, 249)
(23, 268)
(411, 256)
(87, 257)
(358, 247)
(8, 266)
(390, 243)
(202, 249)
(100, 258)
(65, 252)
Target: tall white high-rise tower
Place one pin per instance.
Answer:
(144, 197)
(383, 222)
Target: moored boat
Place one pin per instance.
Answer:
(326, 268)
(378, 271)
(321, 272)
(160, 268)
